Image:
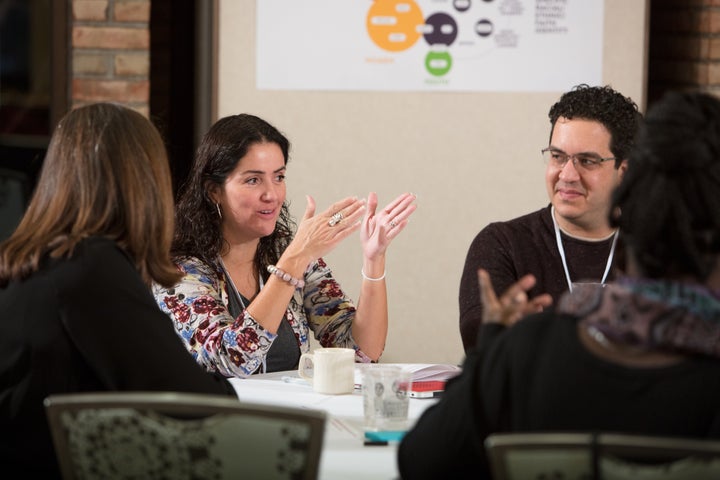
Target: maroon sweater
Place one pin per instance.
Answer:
(509, 250)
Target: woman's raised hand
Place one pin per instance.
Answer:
(319, 234)
(379, 228)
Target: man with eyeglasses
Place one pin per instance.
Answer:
(531, 260)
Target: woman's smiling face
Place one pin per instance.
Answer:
(253, 194)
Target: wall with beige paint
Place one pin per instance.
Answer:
(471, 158)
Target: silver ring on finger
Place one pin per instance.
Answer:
(335, 219)
(393, 224)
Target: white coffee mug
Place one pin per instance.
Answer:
(329, 370)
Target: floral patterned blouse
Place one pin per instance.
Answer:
(198, 307)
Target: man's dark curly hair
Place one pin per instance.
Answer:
(617, 113)
(197, 223)
(668, 203)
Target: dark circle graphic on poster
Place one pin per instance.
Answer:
(444, 29)
(462, 5)
(484, 27)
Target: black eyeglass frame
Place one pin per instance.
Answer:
(593, 159)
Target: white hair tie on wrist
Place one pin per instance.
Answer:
(362, 272)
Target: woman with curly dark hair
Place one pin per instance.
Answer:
(252, 286)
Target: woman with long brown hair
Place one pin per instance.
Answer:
(77, 309)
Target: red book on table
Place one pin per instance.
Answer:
(427, 388)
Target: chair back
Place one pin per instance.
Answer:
(605, 456)
(154, 435)
(14, 195)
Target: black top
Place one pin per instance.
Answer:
(527, 244)
(538, 376)
(80, 325)
(284, 353)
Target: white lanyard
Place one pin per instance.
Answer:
(558, 240)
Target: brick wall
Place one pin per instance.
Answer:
(684, 46)
(110, 52)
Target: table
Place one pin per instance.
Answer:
(344, 454)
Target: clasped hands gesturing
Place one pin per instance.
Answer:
(319, 234)
(513, 304)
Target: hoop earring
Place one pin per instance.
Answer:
(217, 206)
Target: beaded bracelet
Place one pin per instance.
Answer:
(362, 272)
(283, 275)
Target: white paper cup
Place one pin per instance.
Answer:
(329, 370)
(385, 397)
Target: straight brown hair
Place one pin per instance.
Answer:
(106, 174)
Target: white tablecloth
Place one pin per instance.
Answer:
(344, 454)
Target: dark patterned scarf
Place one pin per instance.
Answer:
(656, 315)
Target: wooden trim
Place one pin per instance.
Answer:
(206, 64)
(60, 62)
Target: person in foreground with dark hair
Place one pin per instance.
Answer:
(545, 252)
(254, 288)
(640, 355)
(78, 313)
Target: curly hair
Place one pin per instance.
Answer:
(668, 203)
(617, 113)
(198, 233)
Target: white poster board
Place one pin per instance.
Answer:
(428, 45)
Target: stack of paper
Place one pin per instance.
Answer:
(431, 371)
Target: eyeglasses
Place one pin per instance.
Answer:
(582, 161)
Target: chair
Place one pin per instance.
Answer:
(155, 435)
(606, 456)
(14, 194)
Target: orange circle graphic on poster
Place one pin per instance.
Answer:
(394, 25)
